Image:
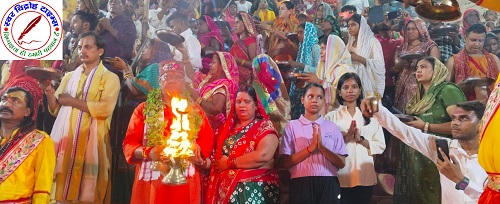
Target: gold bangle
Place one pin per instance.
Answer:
(127, 75)
(242, 62)
(199, 100)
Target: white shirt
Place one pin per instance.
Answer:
(359, 4)
(156, 24)
(193, 47)
(425, 144)
(244, 7)
(359, 169)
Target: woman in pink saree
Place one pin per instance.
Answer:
(218, 88)
(211, 41)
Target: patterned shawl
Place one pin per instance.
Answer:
(421, 101)
(249, 24)
(305, 47)
(270, 88)
(214, 32)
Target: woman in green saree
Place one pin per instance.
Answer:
(417, 179)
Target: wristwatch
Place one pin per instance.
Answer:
(462, 184)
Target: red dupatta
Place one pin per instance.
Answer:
(462, 69)
(223, 184)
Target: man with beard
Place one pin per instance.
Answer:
(461, 176)
(27, 157)
(118, 32)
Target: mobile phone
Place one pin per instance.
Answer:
(393, 14)
(443, 144)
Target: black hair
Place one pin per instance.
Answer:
(302, 25)
(178, 15)
(382, 27)
(302, 15)
(289, 5)
(496, 31)
(27, 124)
(476, 28)
(310, 85)
(431, 60)
(341, 82)
(202, 18)
(135, 3)
(250, 91)
(356, 18)
(490, 35)
(99, 41)
(475, 106)
(87, 17)
(323, 41)
(348, 8)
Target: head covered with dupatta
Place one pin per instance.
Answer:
(421, 101)
(214, 32)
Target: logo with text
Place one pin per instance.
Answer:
(31, 30)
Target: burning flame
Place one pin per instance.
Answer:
(178, 144)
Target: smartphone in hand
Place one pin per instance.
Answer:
(443, 144)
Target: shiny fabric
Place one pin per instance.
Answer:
(240, 49)
(32, 175)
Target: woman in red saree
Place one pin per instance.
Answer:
(245, 49)
(244, 169)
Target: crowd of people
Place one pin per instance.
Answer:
(303, 101)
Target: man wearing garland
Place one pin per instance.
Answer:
(138, 149)
(27, 157)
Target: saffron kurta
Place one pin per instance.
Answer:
(154, 191)
(102, 97)
(33, 177)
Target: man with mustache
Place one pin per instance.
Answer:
(473, 60)
(461, 176)
(27, 157)
(83, 104)
(118, 31)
